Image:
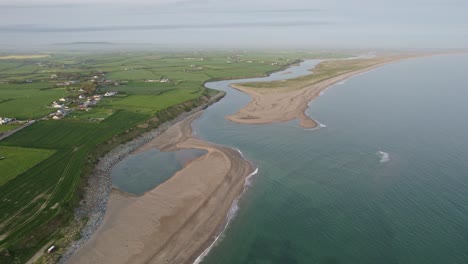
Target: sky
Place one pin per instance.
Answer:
(396, 24)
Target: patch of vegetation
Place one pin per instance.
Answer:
(8, 127)
(154, 103)
(15, 160)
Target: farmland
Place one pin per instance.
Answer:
(19, 160)
(56, 156)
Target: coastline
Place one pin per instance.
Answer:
(99, 187)
(274, 105)
(178, 220)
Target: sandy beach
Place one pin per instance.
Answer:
(270, 105)
(179, 219)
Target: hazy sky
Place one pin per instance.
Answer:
(239, 23)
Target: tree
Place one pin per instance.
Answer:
(89, 87)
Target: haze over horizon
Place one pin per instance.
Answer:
(225, 24)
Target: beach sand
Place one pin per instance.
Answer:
(177, 220)
(271, 105)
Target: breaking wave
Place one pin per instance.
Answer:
(230, 215)
(384, 156)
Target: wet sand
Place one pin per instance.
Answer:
(271, 105)
(179, 219)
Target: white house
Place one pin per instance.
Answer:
(108, 94)
(5, 120)
(62, 99)
(56, 105)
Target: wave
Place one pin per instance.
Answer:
(230, 215)
(240, 153)
(319, 125)
(384, 156)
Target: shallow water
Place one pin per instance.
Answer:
(139, 173)
(384, 182)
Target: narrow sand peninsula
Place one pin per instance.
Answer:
(177, 220)
(271, 105)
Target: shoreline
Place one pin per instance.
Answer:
(179, 220)
(99, 187)
(272, 105)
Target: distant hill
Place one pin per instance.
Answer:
(87, 43)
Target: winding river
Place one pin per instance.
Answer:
(384, 181)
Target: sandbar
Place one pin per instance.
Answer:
(272, 105)
(176, 221)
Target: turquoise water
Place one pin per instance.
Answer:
(139, 173)
(332, 195)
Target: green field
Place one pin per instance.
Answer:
(152, 103)
(14, 161)
(38, 197)
(8, 127)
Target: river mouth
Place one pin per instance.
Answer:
(380, 184)
(142, 172)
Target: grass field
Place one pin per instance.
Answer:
(152, 103)
(14, 161)
(38, 198)
(25, 104)
(8, 127)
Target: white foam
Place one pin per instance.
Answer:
(319, 125)
(230, 215)
(384, 156)
(240, 153)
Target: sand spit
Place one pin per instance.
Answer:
(271, 105)
(177, 220)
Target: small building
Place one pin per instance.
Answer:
(83, 107)
(62, 99)
(56, 105)
(82, 96)
(108, 94)
(5, 120)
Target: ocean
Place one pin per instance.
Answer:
(383, 181)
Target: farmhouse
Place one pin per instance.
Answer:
(108, 94)
(56, 105)
(5, 120)
(83, 107)
(62, 99)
